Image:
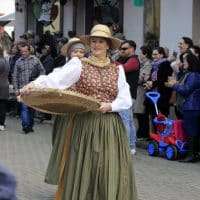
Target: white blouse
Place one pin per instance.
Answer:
(66, 76)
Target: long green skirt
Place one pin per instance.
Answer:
(59, 135)
(99, 164)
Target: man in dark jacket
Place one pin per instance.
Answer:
(47, 60)
(131, 65)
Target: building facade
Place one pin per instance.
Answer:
(163, 20)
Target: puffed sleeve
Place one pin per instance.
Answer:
(123, 100)
(62, 77)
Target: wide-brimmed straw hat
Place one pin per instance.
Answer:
(102, 31)
(57, 101)
(65, 48)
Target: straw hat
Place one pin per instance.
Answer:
(64, 50)
(103, 31)
(57, 101)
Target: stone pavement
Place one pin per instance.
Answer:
(27, 157)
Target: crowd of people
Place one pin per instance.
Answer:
(151, 69)
(127, 77)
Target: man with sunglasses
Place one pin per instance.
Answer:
(131, 65)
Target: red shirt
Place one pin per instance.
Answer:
(132, 64)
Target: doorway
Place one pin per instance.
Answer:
(103, 12)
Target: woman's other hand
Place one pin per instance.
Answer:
(105, 107)
(27, 89)
(170, 83)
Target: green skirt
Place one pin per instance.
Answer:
(99, 165)
(59, 134)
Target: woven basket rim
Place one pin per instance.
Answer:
(40, 98)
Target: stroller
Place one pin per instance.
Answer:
(168, 139)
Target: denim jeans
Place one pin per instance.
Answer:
(127, 118)
(27, 116)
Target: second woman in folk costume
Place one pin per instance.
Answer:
(98, 163)
(74, 48)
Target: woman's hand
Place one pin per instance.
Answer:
(170, 83)
(105, 107)
(148, 85)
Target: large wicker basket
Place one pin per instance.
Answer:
(59, 101)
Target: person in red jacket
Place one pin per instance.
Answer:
(131, 65)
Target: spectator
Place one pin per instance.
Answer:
(15, 55)
(27, 68)
(47, 60)
(140, 109)
(131, 65)
(48, 39)
(185, 45)
(60, 60)
(161, 70)
(48, 64)
(4, 88)
(189, 89)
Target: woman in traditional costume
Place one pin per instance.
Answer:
(96, 161)
(74, 48)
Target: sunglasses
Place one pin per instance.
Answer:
(124, 49)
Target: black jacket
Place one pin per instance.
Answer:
(132, 77)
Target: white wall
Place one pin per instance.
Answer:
(176, 22)
(19, 24)
(20, 20)
(80, 22)
(68, 18)
(133, 22)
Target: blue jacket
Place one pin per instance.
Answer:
(190, 90)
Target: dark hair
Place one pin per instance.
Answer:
(182, 55)
(63, 40)
(72, 34)
(197, 51)
(161, 50)
(188, 41)
(193, 62)
(109, 42)
(131, 43)
(146, 51)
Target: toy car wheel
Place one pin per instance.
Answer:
(171, 152)
(153, 148)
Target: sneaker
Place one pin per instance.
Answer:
(26, 130)
(2, 128)
(133, 151)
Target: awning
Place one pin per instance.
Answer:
(8, 17)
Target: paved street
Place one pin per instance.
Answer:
(27, 157)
